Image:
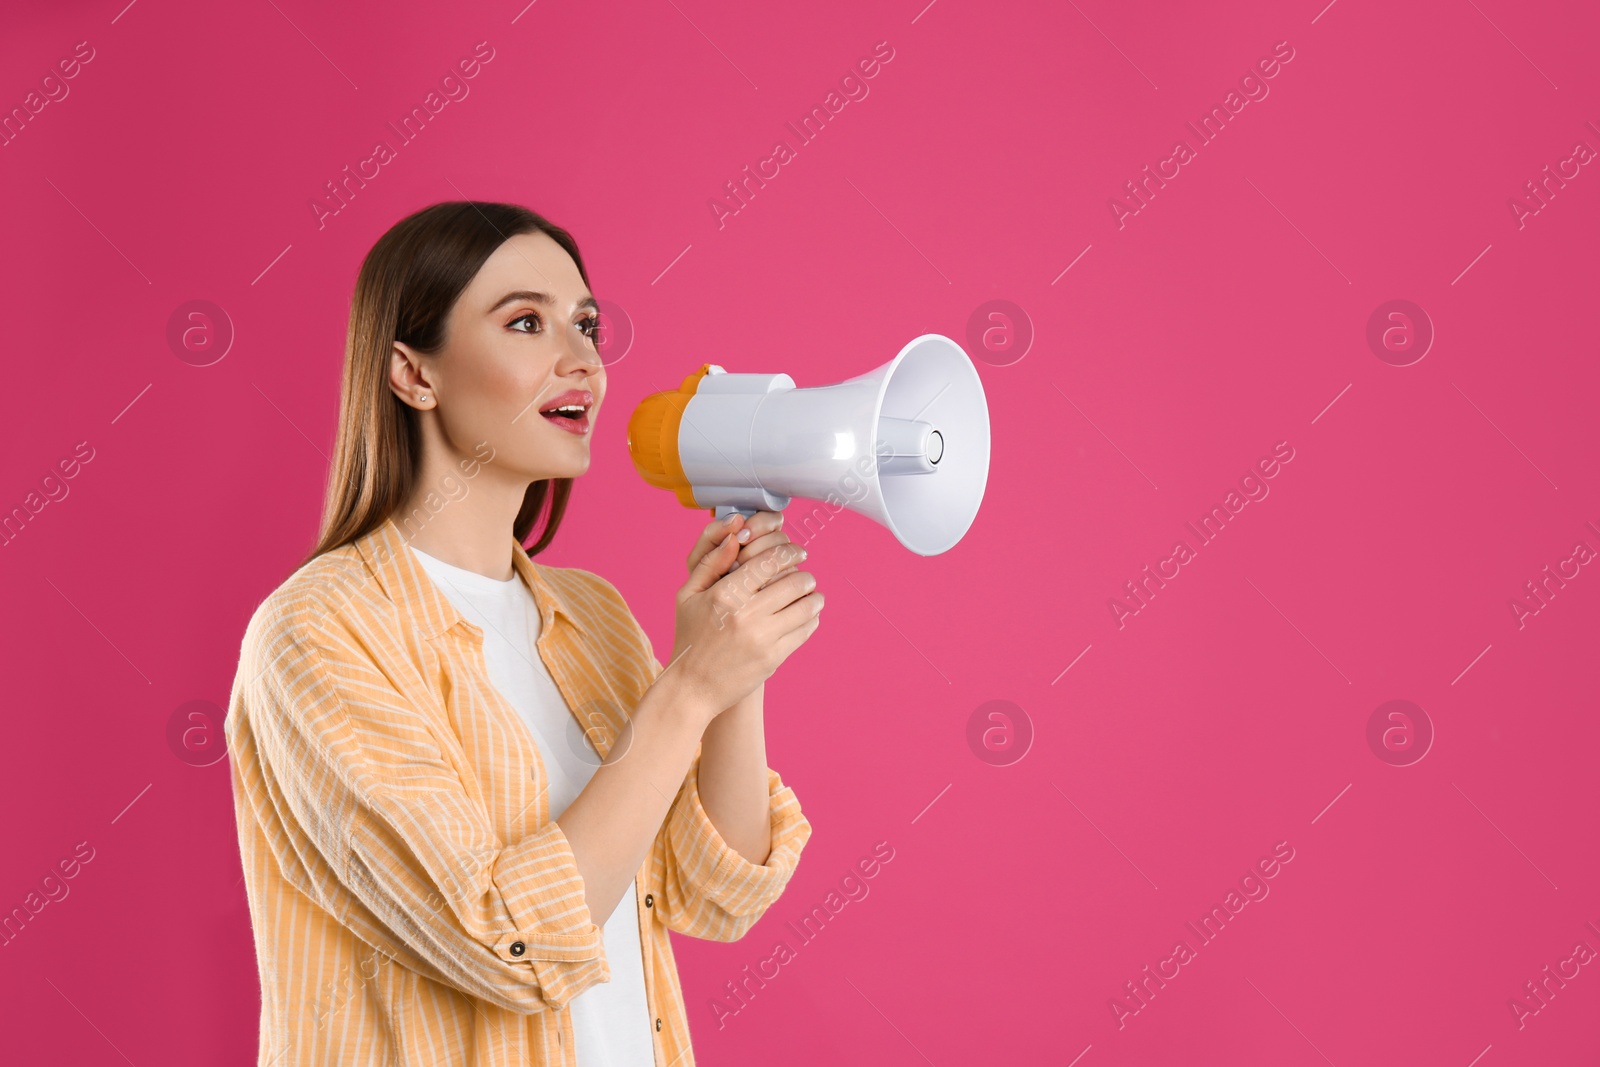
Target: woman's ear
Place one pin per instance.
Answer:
(408, 377)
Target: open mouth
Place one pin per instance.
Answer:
(570, 411)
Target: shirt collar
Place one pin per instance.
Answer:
(404, 581)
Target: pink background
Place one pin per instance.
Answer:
(1228, 715)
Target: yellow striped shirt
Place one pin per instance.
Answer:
(412, 901)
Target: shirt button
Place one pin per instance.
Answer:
(658, 1024)
(518, 948)
(649, 900)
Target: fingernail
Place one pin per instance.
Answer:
(744, 535)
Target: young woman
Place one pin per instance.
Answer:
(471, 801)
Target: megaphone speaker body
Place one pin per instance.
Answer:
(906, 444)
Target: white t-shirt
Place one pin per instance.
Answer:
(611, 1021)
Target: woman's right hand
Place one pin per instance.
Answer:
(733, 630)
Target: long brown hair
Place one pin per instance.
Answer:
(407, 285)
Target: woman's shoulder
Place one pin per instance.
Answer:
(324, 590)
(574, 579)
(583, 591)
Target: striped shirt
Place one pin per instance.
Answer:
(412, 901)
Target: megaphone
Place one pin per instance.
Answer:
(906, 445)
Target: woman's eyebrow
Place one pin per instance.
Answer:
(538, 298)
(521, 294)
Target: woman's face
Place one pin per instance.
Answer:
(520, 337)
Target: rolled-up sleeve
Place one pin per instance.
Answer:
(370, 819)
(708, 889)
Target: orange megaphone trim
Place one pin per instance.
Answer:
(653, 438)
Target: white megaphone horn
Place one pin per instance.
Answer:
(906, 445)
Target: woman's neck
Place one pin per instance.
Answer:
(466, 523)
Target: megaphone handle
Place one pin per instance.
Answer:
(722, 511)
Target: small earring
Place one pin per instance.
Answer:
(422, 398)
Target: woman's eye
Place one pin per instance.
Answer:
(591, 327)
(530, 317)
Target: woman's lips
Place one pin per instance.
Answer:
(579, 426)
